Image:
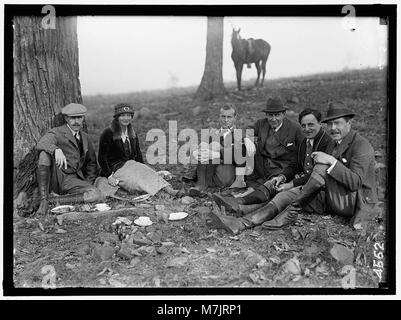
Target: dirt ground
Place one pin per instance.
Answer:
(88, 249)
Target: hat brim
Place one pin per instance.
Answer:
(275, 110)
(338, 116)
(74, 115)
(119, 113)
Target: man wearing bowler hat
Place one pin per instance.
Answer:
(277, 141)
(67, 161)
(343, 178)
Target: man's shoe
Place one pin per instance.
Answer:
(230, 224)
(284, 219)
(196, 191)
(187, 179)
(229, 203)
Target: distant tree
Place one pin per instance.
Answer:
(212, 81)
(46, 78)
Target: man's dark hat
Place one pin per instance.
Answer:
(123, 108)
(274, 105)
(337, 110)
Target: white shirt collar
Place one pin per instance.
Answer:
(311, 141)
(74, 132)
(124, 136)
(278, 128)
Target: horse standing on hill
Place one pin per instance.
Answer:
(249, 51)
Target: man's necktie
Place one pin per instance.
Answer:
(79, 143)
(308, 165)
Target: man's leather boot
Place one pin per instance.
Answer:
(265, 213)
(236, 225)
(287, 217)
(68, 199)
(43, 176)
(229, 203)
(231, 224)
(91, 195)
(248, 208)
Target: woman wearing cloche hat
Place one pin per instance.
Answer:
(121, 160)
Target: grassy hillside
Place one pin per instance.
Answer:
(90, 251)
(365, 92)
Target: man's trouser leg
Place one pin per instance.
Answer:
(224, 175)
(308, 191)
(204, 173)
(258, 216)
(340, 201)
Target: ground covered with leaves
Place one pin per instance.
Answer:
(88, 248)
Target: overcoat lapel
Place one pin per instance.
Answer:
(70, 137)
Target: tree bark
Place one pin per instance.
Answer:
(212, 81)
(46, 78)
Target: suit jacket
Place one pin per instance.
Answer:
(320, 143)
(355, 168)
(289, 136)
(84, 166)
(231, 151)
(111, 152)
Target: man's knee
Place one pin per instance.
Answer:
(45, 159)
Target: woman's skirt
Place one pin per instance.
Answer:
(136, 176)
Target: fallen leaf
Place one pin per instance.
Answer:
(116, 283)
(211, 250)
(177, 262)
(60, 231)
(185, 250)
(254, 277)
(292, 266)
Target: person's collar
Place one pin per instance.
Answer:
(74, 132)
(310, 141)
(226, 130)
(279, 127)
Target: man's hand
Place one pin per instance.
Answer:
(113, 181)
(60, 158)
(250, 147)
(285, 186)
(276, 181)
(323, 158)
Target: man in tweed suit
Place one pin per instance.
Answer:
(343, 178)
(67, 161)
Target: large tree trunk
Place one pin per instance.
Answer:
(212, 81)
(46, 78)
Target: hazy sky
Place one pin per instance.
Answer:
(124, 54)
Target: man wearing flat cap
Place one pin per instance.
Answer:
(343, 178)
(67, 161)
(277, 141)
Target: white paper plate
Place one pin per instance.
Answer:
(177, 215)
(142, 197)
(143, 221)
(106, 207)
(62, 209)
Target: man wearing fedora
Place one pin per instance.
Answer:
(67, 161)
(342, 181)
(277, 142)
(293, 176)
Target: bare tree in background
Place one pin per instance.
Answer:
(212, 81)
(46, 78)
